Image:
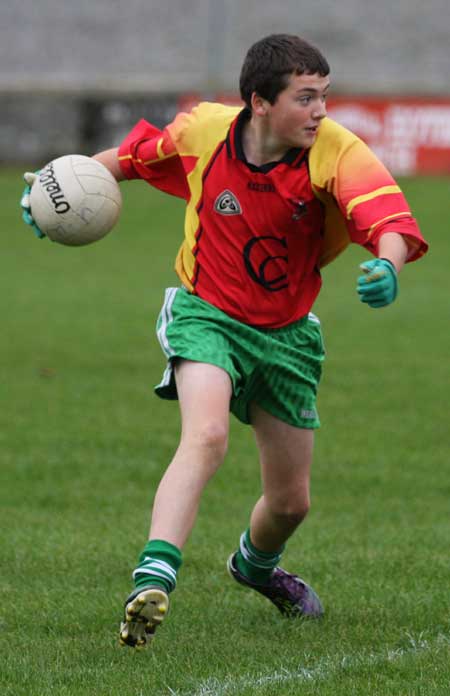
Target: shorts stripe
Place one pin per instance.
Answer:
(166, 318)
(313, 318)
(167, 376)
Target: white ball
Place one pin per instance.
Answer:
(75, 200)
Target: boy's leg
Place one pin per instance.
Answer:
(285, 456)
(204, 393)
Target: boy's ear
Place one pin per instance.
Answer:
(259, 105)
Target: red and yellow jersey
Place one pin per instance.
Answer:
(256, 237)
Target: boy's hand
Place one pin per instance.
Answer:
(378, 286)
(27, 217)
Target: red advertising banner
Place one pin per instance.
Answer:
(411, 135)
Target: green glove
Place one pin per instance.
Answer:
(25, 203)
(378, 286)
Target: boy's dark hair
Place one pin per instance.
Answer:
(270, 61)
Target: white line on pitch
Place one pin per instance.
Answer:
(323, 669)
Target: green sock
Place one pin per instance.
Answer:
(256, 565)
(158, 565)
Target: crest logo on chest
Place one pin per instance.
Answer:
(227, 204)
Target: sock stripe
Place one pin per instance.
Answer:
(152, 570)
(262, 560)
(158, 565)
(165, 567)
(158, 569)
(153, 573)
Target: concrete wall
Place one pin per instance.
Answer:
(179, 44)
(59, 59)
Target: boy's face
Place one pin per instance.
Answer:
(295, 116)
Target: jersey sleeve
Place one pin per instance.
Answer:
(150, 154)
(166, 159)
(373, 203)
(369, 199)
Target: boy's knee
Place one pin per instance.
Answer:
(211, 438)
(292, 508)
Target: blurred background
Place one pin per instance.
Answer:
(74, 76)
(83, 441)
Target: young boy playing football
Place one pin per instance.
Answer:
(274, 191)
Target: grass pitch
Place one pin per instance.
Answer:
(84, 443)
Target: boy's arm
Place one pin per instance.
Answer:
(110, 159)
(375, 211)
(151, 155)
(393, 247)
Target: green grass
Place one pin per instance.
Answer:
(83, 443)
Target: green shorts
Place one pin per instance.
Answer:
(279, 369)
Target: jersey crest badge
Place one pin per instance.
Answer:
(227, 204)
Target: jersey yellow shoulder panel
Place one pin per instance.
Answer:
(197, 134)
(333, 140)
(199, 131)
